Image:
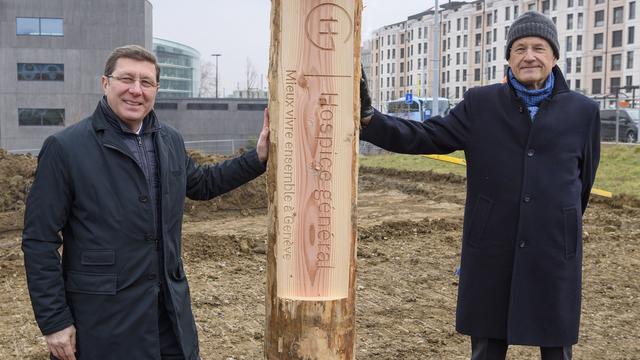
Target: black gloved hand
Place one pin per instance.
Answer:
(366, 110)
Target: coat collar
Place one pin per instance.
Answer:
(559, 86)
(103, 119)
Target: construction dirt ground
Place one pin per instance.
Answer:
(409, 226)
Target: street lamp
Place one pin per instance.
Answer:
(216, 56)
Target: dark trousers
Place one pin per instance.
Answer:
(496, 349)
(169, 347)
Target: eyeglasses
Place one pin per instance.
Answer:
(537, 49)
(146, 84)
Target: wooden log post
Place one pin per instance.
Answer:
(314, 107)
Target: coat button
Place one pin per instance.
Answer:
(522, 244)
(143, 199)
(521, 109)
(531, 152)
(527, 199)
(151, 276)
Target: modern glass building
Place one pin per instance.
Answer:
(179, 69)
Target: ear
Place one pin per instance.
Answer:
(105, 83)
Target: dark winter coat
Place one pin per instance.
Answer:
(89, 191)
(528, 185)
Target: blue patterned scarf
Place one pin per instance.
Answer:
(532, 98)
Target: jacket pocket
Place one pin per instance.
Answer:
(571, 229)
(98, 257)
(478, 222)
(178, 272)
(90, 283)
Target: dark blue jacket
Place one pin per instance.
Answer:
(528, 185)
(89, 191)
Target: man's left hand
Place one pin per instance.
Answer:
(263, 141)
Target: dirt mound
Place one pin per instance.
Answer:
(252, 195)
(618, 201)
(415, 176)
(16, 177)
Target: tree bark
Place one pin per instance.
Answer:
(314, 107)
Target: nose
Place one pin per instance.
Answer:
(136, 87)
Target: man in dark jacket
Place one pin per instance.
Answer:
(111, 188)
(532, 147)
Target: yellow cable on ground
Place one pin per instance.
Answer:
(458, 161)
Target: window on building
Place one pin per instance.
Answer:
(569, 21)
(458, 41)
(489, 19)
(628, 80)
(616, 62)
(478, 21)
(464, 75)
(515, 11)
(632, 10)
(629, 59)
(41, 117)
(616, 38)
(507, 13)
(531, 7)
(596, 86)
(251, 107)
(580, 21)
(618, 16)
(568, 66)
(466, 24)
(545, 7)
(631, 34)
(569, 43)
(597, 41)
(598, 19)
(614, 83)
(599, 2)
(597, 63)
(40, 72)
(476, 74)
(207, 106)
(39, 26)
(477, 57)
(401, 53)
(578, 42)
(569, 3)
(457, 58)
(402, 67)
(478, 39)
(465, 41)
(578, 65)
(464, 58)
(578, 84)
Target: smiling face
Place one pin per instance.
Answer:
(131, 102)
(531, 59)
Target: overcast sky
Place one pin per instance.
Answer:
(239, 30)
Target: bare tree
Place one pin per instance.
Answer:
(252, 75)
(207, 79)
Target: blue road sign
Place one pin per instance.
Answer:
(408, 98)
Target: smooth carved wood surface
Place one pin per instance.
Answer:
(312, 179)
(316, 139)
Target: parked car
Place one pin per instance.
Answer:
(629, 122)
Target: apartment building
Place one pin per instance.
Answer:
(597, 47)
(52, 54)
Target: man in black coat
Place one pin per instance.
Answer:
(532, 148)
(111, 189)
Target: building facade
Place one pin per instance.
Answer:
(179, 69)
(52, 54)
(597, 47)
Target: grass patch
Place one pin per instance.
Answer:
(619, 170)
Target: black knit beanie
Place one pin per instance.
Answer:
(533, 23)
